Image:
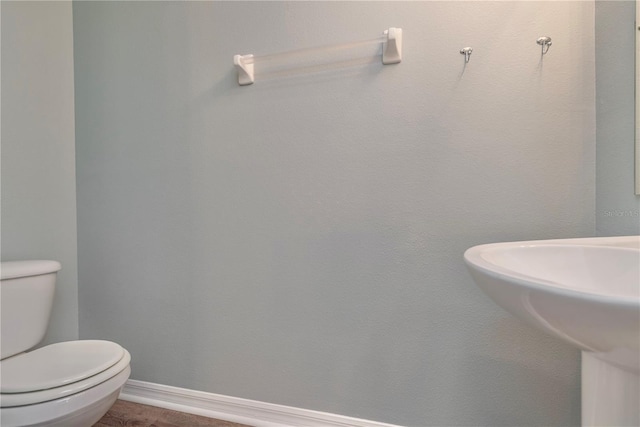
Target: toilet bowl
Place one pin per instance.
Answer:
(66, 384)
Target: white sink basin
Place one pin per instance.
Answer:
(584, 291)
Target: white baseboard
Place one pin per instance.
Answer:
(235, 409)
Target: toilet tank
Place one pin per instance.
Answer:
(26, 297)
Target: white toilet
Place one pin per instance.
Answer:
(67, 384)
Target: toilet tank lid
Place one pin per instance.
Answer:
(15, 269)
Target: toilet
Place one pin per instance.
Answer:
(66, 384)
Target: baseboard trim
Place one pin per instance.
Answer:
(235, 409)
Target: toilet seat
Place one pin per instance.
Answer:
(78, 410)
(40, 377)
(57, 364)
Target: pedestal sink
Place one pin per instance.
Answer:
(585, 292)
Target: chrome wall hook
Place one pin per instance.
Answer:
(467, 53)
(544, 42)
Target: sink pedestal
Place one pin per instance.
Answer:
(610, 395)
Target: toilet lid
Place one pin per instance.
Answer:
(58, 364)
(118, 372)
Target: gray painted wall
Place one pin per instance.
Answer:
(300, 241)
(617, 208)
(38, 148)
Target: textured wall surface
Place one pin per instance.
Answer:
(617, 207)
(299, 241)
(38, 148)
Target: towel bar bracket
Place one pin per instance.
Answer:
(392, 48)
(244, 65)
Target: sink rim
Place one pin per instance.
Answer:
(475, 261)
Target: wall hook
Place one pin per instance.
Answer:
(467, 53)
(544, 42)
(244, 65)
